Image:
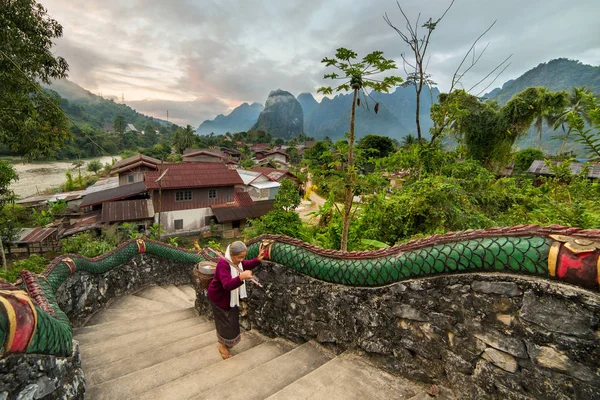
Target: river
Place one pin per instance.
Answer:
(39, 176)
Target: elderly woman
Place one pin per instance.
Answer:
(225, 291)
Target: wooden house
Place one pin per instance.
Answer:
(187, 192)
(132, 169)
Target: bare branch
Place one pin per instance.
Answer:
(473, 63)
(491, 72)
(494, 80)
(454, 81)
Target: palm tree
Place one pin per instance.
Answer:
(546, 106)
(575, 106)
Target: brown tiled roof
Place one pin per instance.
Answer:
(227, 213)
(134, 159)
(193, 175)
(129, 210)
(118, 193)
(36, 235)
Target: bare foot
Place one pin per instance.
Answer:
(224, 350)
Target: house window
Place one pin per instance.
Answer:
(183, 195)
(212, 193)
(178, 224)
(235, 225)
(130, 179)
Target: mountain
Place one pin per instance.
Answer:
(84, 107)
(308, 103)
(559, 74)
(282, 117)
(239, 120)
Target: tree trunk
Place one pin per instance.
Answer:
(349, 179)
(3, 256)
(419, 88)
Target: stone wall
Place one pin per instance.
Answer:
(484, 335)
(83, 293)
(31, 376)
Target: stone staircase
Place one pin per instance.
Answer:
(153, 345)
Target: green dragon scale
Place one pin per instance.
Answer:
(31, 320)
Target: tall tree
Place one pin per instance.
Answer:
(184, 138)
(417, 70)
(7, 223)
(546, 106)
(575, 106)
(119, 124)
(31, 122)
(356, 78)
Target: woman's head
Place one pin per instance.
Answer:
(238, 251)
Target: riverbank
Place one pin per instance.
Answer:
(36, 177)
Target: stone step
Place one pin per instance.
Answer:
(132, 302)
(144, 380)
(272, 376)
(139, 330)
(111, 329)
(175, 291)
(107, 354)
(162, 295)
(149, 358)
(92, 349)
(189, 291)
(204, 379)
(119, 316)
(348, 376)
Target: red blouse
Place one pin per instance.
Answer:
(222, 284)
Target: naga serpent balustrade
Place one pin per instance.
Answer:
(32, 322)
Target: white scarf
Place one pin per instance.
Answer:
(239, 292)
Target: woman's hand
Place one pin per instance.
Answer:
(246, 275)
(261, 255)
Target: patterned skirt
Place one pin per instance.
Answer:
(227, 323)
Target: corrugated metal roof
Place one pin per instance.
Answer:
(130, 210)
(227, 213)
(85, 223)
(539, 167)
(265, 185)
(121, 192)
(204, 153)
(248, 176)
(134, 159)
(35, 235)
(194, 175)
(274, 174)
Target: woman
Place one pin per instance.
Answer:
(225, 291)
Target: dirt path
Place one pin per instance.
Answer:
(311, 205)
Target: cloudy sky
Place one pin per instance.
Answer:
(200, 58)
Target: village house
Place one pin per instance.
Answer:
(259, 186)
(278, 156)
(131, 170)
(232, 218)
(203, 156)
(186, 192)
(276, 175)
(540, 168)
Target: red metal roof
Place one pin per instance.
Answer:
(193, 175)
(226, 213)
(130, 210)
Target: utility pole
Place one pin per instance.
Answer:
(159, 181)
